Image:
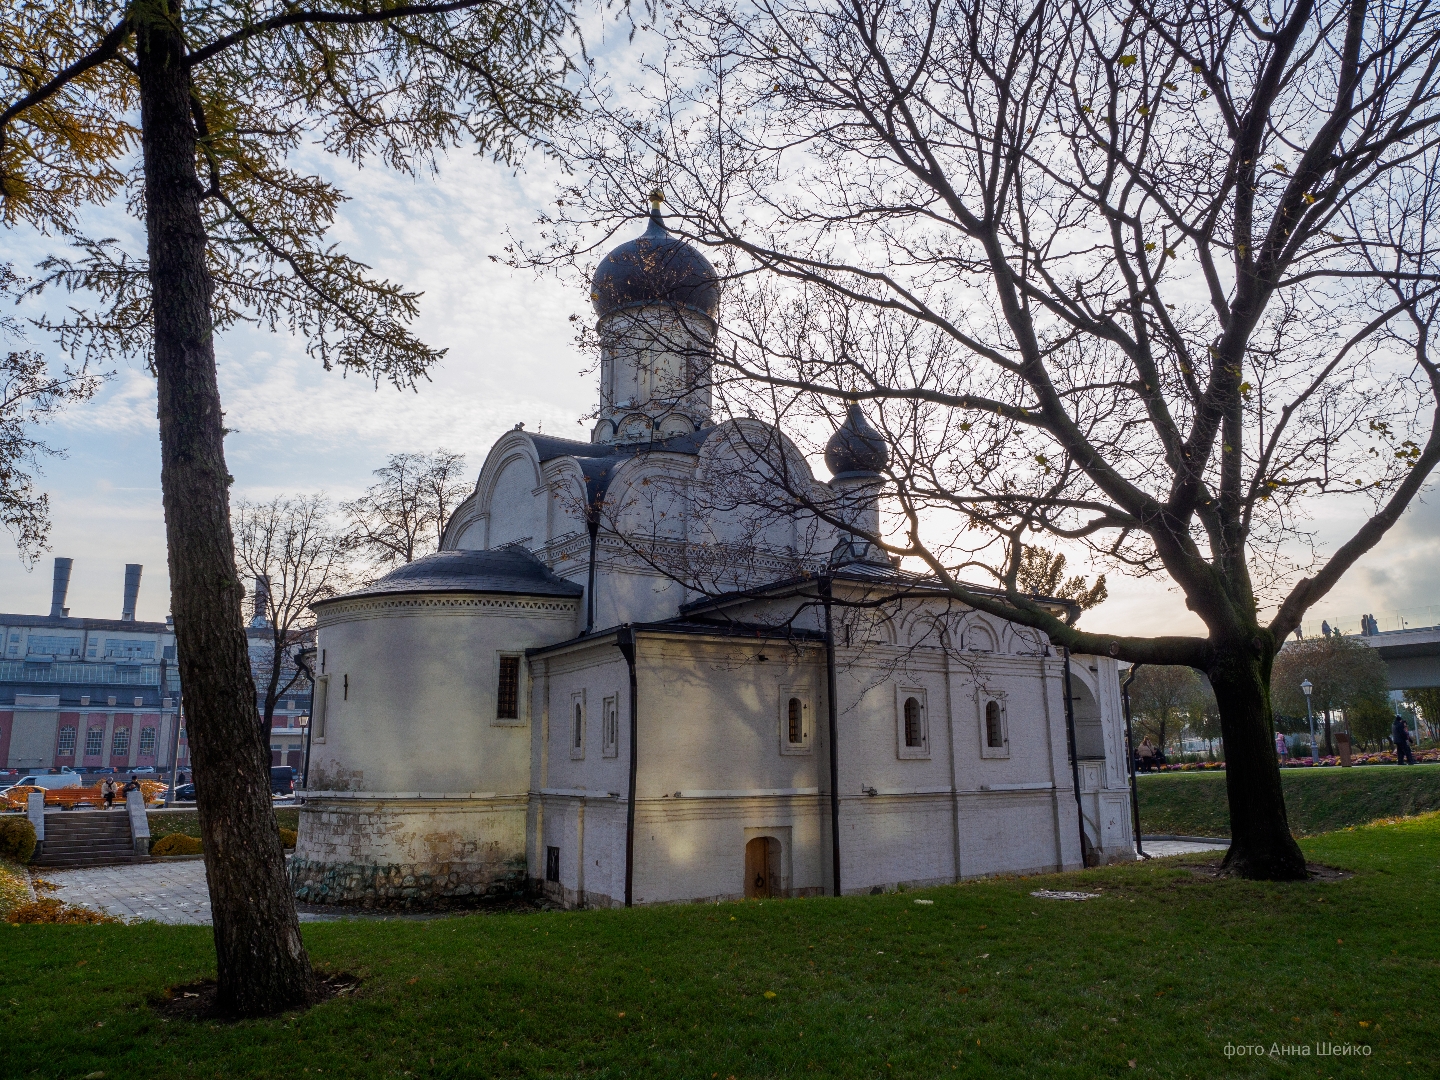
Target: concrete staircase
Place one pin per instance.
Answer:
(86, 838)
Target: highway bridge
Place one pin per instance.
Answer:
(1412, 655)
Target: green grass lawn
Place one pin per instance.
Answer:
(1164, 970)
(1317, 800)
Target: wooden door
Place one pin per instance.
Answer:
(762, 868)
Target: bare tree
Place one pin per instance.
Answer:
(30, 393)
(1156, 277)
(291, 548)
(403, 516)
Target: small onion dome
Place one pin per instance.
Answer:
(655, 268)
(856, 447)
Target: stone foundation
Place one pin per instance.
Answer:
(408, 885)
(414, 851)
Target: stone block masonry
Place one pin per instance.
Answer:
(407, 885)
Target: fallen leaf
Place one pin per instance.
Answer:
(770, 993)
(1132, 1063)
(621, 1015)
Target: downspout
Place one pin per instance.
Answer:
(826, 595)
(1130, 749)
(1075, 761)
(593, 524)
(625, 641)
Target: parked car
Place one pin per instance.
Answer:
(143, 770)
(282, 780)
(185, 793)
(48, 781)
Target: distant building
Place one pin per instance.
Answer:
(91, 693)
(87, 693)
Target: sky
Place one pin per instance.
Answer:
(511, 359)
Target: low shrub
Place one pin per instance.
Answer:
(288, 837)
(176, 844)
(51, 910)
(17, 837)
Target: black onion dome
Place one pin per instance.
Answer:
(856, 447)
(655, 268)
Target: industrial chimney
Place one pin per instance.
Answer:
(132, 590)
(58, 610)
(262, 603)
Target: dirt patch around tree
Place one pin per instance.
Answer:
(196, 1001)
(1215, 871)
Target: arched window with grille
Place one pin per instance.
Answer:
(994, 726)
(794, 705)
(914, 725)
(912, 734)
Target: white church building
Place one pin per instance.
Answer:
(631, 675)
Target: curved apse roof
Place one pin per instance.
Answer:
(511, 571)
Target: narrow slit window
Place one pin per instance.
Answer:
(796, 719)
(994, 730)
(552, 864)
(507, 695)
(914, 725)
(578, 735)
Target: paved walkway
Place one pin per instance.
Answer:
(163, 892)
(166, 892)
(1160, 848)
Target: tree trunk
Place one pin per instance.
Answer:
(1261, 846)
(261, 964)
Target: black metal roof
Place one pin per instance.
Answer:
(510, 570)
(655, 268)
(695, 627)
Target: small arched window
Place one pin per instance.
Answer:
(795, 716)
(914, 725)
(994, 730)
(578, 735)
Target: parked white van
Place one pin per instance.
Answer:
(49, 781)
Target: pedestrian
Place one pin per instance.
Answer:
(1400, 736)
(1282, 748)
(133, 785)
(107, 791)
(1147, 754)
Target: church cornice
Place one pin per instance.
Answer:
(454, 604)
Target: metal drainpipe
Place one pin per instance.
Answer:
(625, 641)
(1074, 758)
(594, 526)
(302, 656)
(1130, 748)
(825, 592)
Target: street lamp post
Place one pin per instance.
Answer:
(1306, 686)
